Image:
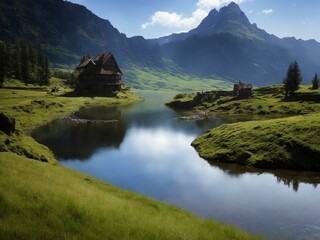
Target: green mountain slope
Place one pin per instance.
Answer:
(70, 30)
(224, 44)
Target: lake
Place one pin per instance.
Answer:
(145, 148)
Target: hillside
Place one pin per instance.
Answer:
(73, 31)
(287, 143)
(264, 101)
(224, 45)
(283, 141)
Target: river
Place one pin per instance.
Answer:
(147, 150)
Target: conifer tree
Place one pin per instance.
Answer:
(17, 59)
(292, 79)
(46, 72)
(25, 63)
(2, 63)
(315, 82)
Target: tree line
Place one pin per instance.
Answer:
(293, 79)
(24, 61)
(70, 77)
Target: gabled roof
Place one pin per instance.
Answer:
(100, 65)
(102, 58)
(85, 63)
(241, 85)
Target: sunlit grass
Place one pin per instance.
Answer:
(48, 201)
(157, 79)
(43, 201)
(265, 100)
(291, 142)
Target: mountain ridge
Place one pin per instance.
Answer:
(234, 47)
(225, 43)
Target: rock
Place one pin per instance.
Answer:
(7, 124)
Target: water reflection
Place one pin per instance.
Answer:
(289, 178)
(98, 112)
(148, 151)
(75, 139)
(161, 163)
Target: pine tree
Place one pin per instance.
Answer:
(17, 59)
(293, 79)
(2, 63)
(46, 71)
(315, 82)
(9, 60)
(33, 63)
(25, 63)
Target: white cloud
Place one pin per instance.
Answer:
(267, 11)
(175, 20)
(178, 21)
(209, 4)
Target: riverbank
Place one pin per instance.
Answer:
(287, 143)
(33, 107)
(41, 200)
(265, 100)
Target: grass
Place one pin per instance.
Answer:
(156, 79)
(265, 100)
(32, 106)
(41, 200)
(289, 142)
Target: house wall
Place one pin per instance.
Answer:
(99, 84)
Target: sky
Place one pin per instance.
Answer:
(157, 18)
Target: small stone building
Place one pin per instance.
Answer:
(99, 76)
(242, 90)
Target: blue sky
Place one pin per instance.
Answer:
(155, 18)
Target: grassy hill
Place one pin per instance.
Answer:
(288, 142)
(158, 79)
(41, 199)
(291, 143)
(265, 100)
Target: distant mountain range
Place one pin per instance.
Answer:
(224, 44)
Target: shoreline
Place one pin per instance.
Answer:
(61, 198)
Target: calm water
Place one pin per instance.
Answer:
(147, 150)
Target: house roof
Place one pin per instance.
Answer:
(243, 85)
(102, 58)
(100, 65)
(85, 63)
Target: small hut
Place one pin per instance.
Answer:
(99, 76)
(242, 90)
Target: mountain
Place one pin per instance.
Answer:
(229, 20)
(227, 44)
(70, 30)
(224, 45)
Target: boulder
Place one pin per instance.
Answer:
(7, 124)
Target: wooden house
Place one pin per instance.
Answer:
(99, 76)
(242, 90)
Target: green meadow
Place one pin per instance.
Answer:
(291, 142)
(157, 79)
(41, 199)
(265, 100)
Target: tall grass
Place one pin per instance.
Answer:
(43, 201)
